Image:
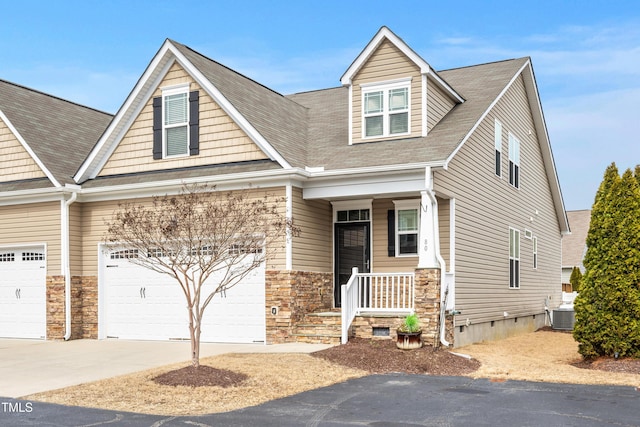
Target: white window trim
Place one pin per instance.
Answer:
(497, 143)
(168, 91)
(352, 205)
(514, 157)
(385, 87)
(515, 257)
(401, 205)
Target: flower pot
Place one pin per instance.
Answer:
(409, 340)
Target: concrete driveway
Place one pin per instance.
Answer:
(32, 366)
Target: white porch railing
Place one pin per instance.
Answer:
(375, 293)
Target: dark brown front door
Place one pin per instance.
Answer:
(352, 250)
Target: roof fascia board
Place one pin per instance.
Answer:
(386, 33)
(237, 181)
(547, 151)
(96, 158)
(383, 33)
(128, 120)
(235, 115)
(21, 197)
(486, 112)
(26, 146)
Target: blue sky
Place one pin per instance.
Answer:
(586, 55)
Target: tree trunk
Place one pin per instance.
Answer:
(194, 332)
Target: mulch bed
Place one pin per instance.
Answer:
(201, 376)
(625, 365)
(382, 356)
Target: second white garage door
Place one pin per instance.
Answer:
(142, 304)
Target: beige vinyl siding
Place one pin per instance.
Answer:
(444, 224)
(381, 262)
(387, 63)
(221, 140)
(486, 206)
(15, 161)
(75, 238)
(438, 104)
(95, 215)
(33, 223)
(313, 249)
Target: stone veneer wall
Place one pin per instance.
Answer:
(294, 294)
(84, 307)
(55, 307)
(427, 302)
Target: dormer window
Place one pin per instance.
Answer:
(386, 109)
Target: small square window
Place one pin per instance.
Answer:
(386, 109)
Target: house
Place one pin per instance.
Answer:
(425, 191)
(574, 246)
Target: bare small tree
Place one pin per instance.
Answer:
(202, 235)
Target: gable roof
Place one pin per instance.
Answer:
(574, 245)
(55, 132)
(274, 123)
(385, 33)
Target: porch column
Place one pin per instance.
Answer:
(427, 244)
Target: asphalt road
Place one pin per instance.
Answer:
(383, 400)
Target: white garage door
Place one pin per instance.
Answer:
(23, 293)
(142, 304)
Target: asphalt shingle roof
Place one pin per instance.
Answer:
(59, 132)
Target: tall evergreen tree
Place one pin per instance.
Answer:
(608, 306)
(575, 279)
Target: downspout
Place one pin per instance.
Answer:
(66, 263)
(443, 267)
(436, 246)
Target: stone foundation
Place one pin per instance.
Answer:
(84, 307)
(293, 294)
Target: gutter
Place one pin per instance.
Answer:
(66, 263)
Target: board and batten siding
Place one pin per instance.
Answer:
(313, 249)
(486, 206)
(221, 140)
(15, 161)
(33, 223)
(95, 216)
(438, 104)
(387, 63)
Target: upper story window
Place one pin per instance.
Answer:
(386, 109)
(176, 122)
(514, 161)
(498, 147)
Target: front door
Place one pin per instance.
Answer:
(352, 250)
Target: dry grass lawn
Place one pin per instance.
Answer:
(537, 356)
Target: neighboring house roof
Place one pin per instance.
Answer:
(57, 133)
(574, 245)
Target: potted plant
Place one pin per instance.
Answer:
(409, 333)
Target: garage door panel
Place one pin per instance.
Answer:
(23, 293)
(143, 304)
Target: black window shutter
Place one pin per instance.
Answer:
(194, 123)
(391, 232)
(157, 128)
